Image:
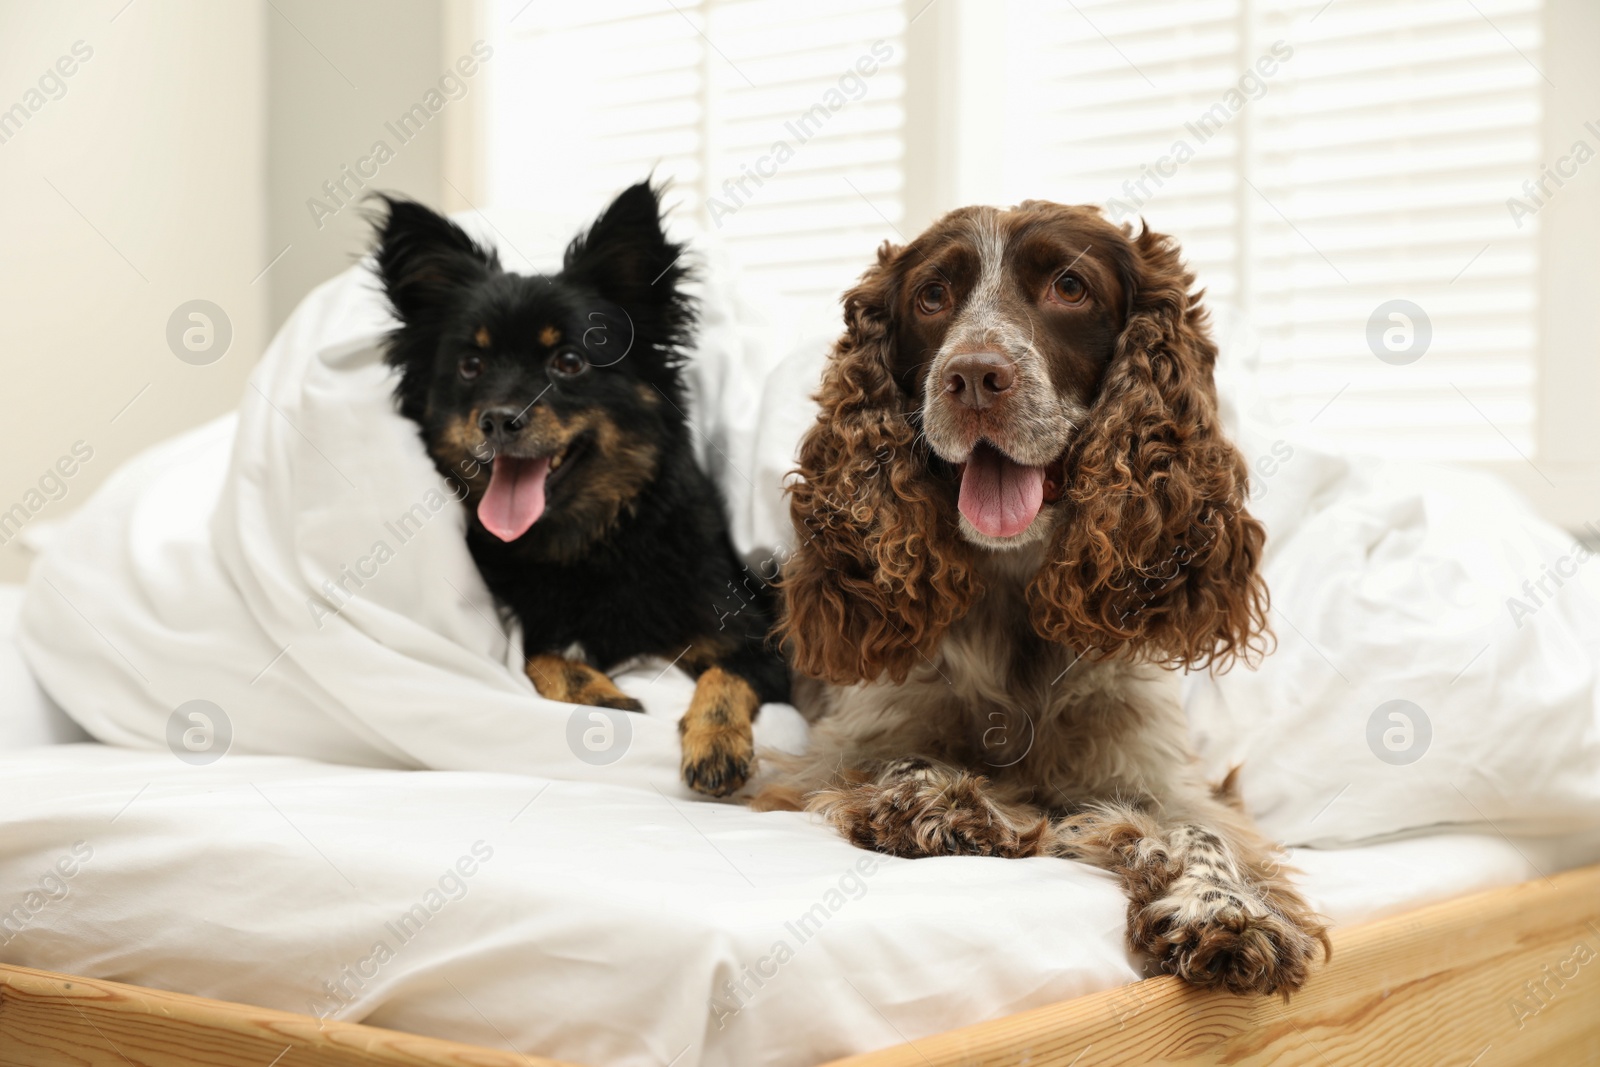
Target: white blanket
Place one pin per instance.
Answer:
(301, 568)
(588, 922)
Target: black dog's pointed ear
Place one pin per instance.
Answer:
(627, 259)
(626, 255)
(424, 259)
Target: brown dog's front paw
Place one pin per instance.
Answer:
(1240, 949)
(619, 700)
(716, 760)
(916, 809)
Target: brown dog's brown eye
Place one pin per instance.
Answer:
(931, 298)
(568, 362)
(1069, 289)
(471, 367)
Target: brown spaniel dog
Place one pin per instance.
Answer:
(1019, 519)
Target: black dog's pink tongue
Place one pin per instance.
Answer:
(515, 499)
(998, 495)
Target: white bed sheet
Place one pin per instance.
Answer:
(599, 923)
(614, 909)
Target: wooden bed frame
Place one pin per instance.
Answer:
(1503, 977)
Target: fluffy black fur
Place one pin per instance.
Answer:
(631, 555)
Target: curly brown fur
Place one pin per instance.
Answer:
(1157, 556)
(913, 808)
(1017, 513)
(1214, 912)
(881, 572)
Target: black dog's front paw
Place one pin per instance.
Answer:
(718, 744)
(572, 682)
(716, 762)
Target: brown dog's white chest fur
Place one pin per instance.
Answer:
(1043, 725)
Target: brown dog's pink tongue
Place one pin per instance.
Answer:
(999, 496)
(515, 498)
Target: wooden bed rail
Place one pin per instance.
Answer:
(58, 1020)
(1504, 977)
(1498, 978)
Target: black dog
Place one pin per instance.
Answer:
(557, 402)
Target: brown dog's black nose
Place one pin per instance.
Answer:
(978, 379)
(502, 424)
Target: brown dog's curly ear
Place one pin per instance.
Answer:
(1157, 558)
(879, 571)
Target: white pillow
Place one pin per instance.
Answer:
(28, 716)
(1420, 676)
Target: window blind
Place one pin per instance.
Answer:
(780, 125)
(1321, 163)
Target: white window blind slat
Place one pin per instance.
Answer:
(705, 96)
(1372, 165)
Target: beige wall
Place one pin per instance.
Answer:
(174, 164)
(338, 73)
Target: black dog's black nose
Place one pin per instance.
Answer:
(500, 424)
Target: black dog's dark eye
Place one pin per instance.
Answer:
(931, 298)
(568, 362)
(1069, 289)
(470, 367)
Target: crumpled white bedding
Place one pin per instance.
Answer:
(616, 904)
(585, 921)
(302, 569)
